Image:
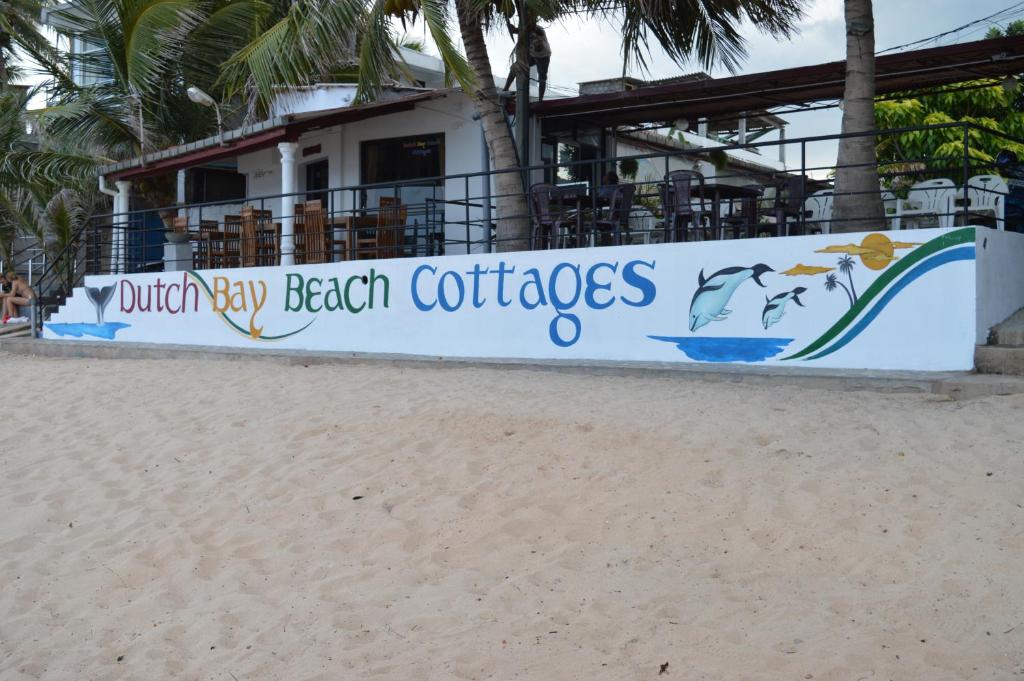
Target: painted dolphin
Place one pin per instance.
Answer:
(713, 293)
(99, 298)
(775, 306)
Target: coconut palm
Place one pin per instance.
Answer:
(831, 282)
(858, 201)
(20, 31)
(706, 31)
(138, 101)
(846, 267)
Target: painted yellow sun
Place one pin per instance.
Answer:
(879, 251)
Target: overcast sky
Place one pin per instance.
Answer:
(589, 50)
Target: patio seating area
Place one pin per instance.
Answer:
(577, 204)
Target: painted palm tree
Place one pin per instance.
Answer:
(846, 267)
(831, 282)
(705, 31)
(858, 201)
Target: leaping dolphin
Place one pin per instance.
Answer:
(99, 297)
(775, 306)
(713, 293)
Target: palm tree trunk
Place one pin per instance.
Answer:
(848, 295)
(510, 201)
(858, 201)
(849, 275)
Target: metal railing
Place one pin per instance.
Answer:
(469, 212)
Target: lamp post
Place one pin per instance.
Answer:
(203, 99)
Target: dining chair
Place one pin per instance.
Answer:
(744, 223)
(930, 198)
(202, 255)
(678, 206)
(548, 217)
(318, 243)
(986, 197)
(299, 234)
(225, 251)
(789, 205)
(620, 204)
(249, 237)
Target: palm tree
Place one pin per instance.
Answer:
(138, 101)
(858, 201)
(20, 30)
(831, 282)
(846, 267)
(704, 30)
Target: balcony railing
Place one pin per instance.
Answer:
(568, 205)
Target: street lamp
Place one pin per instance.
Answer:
(203, 99)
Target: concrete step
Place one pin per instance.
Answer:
(999, 359)
(15, 330)
(1010, 331)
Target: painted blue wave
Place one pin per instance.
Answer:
(938, 260)
(709, 349)
(76, 330)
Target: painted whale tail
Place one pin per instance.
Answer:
(758, 270)
(796, 295)
(100, 297)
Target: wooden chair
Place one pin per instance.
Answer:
(317, 238)
(299, 234)
(225, 250)
(260, 238)
(202, 254)
(388, 239)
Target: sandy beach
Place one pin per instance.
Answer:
(243, 521)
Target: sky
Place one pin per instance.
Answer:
(589, 49)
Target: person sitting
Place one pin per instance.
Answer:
(20, 294)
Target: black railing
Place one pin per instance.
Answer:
(470, 213)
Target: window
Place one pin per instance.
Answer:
(214, 184)
(403, 159)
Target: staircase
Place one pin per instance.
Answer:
(1005, 352)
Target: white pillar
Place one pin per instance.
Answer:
(741, 133)
(180, 195)
(120, 227)
(782, 145)
(288, 183)
(702, 127)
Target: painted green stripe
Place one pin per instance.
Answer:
(245, 332)
(960, 236)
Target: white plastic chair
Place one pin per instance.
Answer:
(818, 210)
(641, 225)
(889, 202)
(986, 195)
(929, 198)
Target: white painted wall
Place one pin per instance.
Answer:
(1000, 280)
(680, 302)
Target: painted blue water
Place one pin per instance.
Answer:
(728, 349)
(106, 330)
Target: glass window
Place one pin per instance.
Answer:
(402, 159)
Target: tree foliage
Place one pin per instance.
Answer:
(993, 104)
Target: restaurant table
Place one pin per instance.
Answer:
(719, 192)
(352, 224)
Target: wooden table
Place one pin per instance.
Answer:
(720, 192)
(352, 224)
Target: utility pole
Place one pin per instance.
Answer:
(523, 90)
